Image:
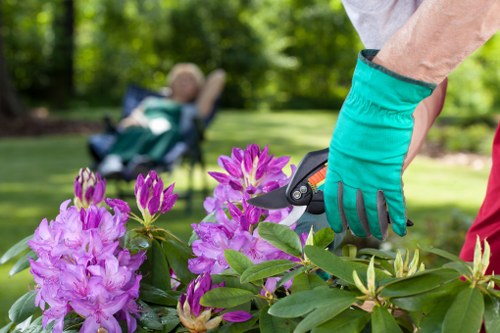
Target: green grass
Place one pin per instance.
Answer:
(37, 175)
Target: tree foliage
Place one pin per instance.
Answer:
(278, 53)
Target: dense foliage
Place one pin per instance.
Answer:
(278, 53)
(252, 273)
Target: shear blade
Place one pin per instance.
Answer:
(275, 199)
(294, 215)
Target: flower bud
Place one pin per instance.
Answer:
(89, 188)
(152, 198)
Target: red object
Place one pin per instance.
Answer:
(487, 222)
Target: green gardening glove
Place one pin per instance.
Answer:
(368, 148)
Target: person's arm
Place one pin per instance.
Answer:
(438, 37)
(363, 188)
(375, 22)
(211, 91)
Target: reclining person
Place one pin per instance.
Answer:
(157, 130)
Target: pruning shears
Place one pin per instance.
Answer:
(303, 191)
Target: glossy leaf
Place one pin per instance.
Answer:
(291, 275)
(15, 250)
(22, 263)
(307, 281)
(349, 321)
(266, 269)
(385, 255)
(383, 321)
(135, 241)
(6, 328)
(338, 267)
(178, 254)
(155, 270)
(239, 327)
(237, 260)
(149, 318)
(281, 237)
(168, 318)
(23, 307)
(151, 294)
(492, 315)
(465, 313)
(324, 313)
(271, 324)
(424, 302)
(301, 303)
(419, 283)
(323, 237)
(226, 297)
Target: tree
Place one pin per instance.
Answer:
(10, 106)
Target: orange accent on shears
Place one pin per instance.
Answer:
(318, 177)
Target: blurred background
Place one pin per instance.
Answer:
(65, 64)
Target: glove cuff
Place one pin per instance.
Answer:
(385, 88)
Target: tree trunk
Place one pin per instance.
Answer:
(62, 72)
(10, 106)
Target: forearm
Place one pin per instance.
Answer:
(425, 114)
(438, 37)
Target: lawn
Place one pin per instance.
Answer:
(37, 174)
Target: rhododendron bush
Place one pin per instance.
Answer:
(103, 266)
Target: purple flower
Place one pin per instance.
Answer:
(152, 198)
(89, 188)
(82, 268)
(198, 318)
(248, 173)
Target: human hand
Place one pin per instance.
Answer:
(363, 189)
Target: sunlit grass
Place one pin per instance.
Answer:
(36, 175)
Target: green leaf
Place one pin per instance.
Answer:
(383, 321)
(307, 281)
(237, 260)
(154, 295)
(178, 255)
(323, 237)
(6, 328)
(336, 266)
(434, 314)
(324, 313)
(281, 237)
(136, 242)
(234, 282)
(149, 318)
(424, 302)
(23, 307)
(459, 267)
(16, 249)
(419, 283)
(465, 313)
(302, 303)
(168, 318)
(349, 321)
(448, 256)
(492, 315)
(226, 297)
(266, 269)
(22, 263)
(290, 275)
(155, 270)
(385, 255)
(271, 324)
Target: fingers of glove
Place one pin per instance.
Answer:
(382, 217)
(362, 215)
(333, 207)
(349, 200)
(397, 212)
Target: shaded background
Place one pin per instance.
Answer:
(64, 64)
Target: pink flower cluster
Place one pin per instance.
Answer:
(82, 268)
(250, 172)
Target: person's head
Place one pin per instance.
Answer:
(185, 80)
